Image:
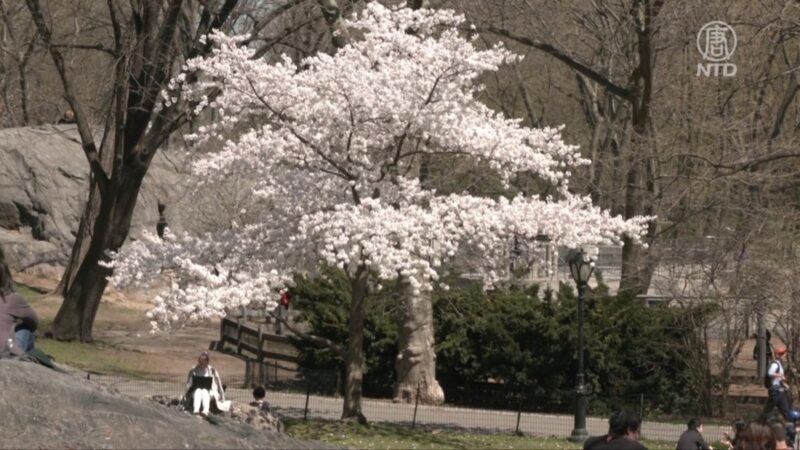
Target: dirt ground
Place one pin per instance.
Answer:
(123, 334)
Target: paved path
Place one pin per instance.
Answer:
(293, 405)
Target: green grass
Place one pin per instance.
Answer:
(96, 357)
(384, 436)
(27, 292)
(99, 356)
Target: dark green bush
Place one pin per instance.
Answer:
(512, 345)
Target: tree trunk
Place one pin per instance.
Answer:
(416, 359)
(141, 72)
(23, 95)
(110, 217)
(354, 358)
(637, 263)
(82, 240)
(637, 268)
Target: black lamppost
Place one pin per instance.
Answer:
(580, 267)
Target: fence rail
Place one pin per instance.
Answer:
(266, 355)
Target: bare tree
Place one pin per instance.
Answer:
(17, 45)
(150, 40)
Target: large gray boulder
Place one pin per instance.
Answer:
(44, 185)
(46, 409)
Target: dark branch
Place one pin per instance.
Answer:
(87, 47)
(566, 59)
(314, 339)
(84, 129)
(785, 104)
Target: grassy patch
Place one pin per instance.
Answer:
(110, 316)
(98, 357)
(27, 292)
(384, 436)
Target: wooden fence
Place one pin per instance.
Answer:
(267, 356)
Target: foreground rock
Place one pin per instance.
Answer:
(46, 409)
(241, 413)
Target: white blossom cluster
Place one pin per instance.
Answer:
(334, 143)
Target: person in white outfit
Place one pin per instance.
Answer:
(201, 398)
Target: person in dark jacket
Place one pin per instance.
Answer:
(18, 321)
(626, 437)
(616, 426)
(692, 438)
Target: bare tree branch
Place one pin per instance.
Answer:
(98, 47)
(84, 129)
(566, 59)
(314, 339)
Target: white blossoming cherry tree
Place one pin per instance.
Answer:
(334, 144)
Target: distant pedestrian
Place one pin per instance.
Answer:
(778, 389)
(67, 118)
(692, 438)
(626, 437)
(756, 436)
(161, 226)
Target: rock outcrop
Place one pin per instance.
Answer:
(46, 409)
(44, 184)
(244, 414)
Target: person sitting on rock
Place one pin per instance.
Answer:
(258, 395)
(201, 398)
(18, 320)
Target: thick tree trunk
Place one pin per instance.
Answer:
(110, 219)
(637, 262)
(416, 358)
(354, 358)
(82, 240)
(637, 266)
(144, 61)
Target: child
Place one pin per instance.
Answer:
(258, 394)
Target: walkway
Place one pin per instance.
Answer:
(294, 405)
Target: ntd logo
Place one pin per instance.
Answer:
(716, 42)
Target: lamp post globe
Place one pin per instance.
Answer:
(581, 267)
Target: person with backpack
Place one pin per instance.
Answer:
(775, 382)
(18, 320)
